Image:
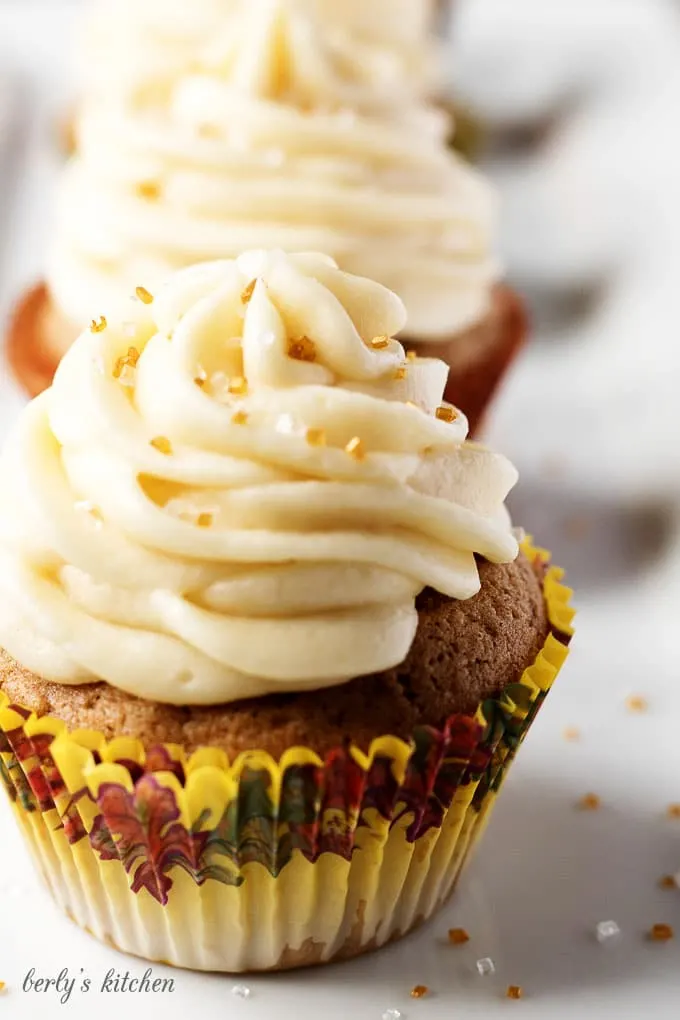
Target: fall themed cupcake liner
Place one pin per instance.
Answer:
(259, 865)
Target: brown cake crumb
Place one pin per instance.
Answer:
(463, 652)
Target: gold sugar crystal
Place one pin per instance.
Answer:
(238, 386)
(204, 520)
(590, 802)
(661, 933)
(411, 355)
(144, 296)
(316, 437)
(355, 448)
(98, 325)
(379, 343)
(302, 349)
(400, 373)
(636, 703)
(668, 882)
(673, 811)
(150, 190)
(444, 413)
(162, 444)
(419, 992)
(458, 936)
(128, 360)
(247, 293)
(239, 418)
(514, 992)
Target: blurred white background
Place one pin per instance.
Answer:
(582, 135)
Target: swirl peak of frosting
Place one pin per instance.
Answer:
(239, 485)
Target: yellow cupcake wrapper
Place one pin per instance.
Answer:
(258, 864)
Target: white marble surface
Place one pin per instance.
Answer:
(590, 416)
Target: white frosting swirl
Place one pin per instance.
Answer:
(192, 540)
(284, 123)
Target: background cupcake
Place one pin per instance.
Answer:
(255, 591)
(282, 124)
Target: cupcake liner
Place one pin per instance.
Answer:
(264, 865)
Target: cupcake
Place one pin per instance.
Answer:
(269, 642)
(287, 125)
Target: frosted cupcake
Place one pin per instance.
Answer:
(286, 124)
(270, 644)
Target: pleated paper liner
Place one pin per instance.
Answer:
(264, 865)
(38, 333)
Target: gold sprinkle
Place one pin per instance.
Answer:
(302, 349)
(514, 992)
(400, 373)
(668, 882)
(571, 733)
(673, 811)
(248, 292)
(355, 448)
(445, 414)
(240, 418)
(150, 190)
(379, 343)
(419, 992)
(637, 704)
(458, 936)
(316, 437)
(200, 381)
(98, 325)
(128, 360)
(209, 131)
(162, 444)
(411, 355)
(238, 386)
(144, 296)
(661, 933)
(2, 986)
(590, 802)
(204, 520)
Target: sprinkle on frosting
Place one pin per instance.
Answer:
(247, 292)
(126, 361)
(400, 373)
(302, 349)
(355, 448)
(445, 413)
(163, 445)
(144, 296)
(265, 559)
(316, 437)
(238, 386)
(379, 343)
(98, 325)
(150, 190)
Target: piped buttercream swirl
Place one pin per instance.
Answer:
(239, 487)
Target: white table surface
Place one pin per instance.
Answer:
(599, 458)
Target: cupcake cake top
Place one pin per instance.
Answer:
(239, 486)
(286, 123)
